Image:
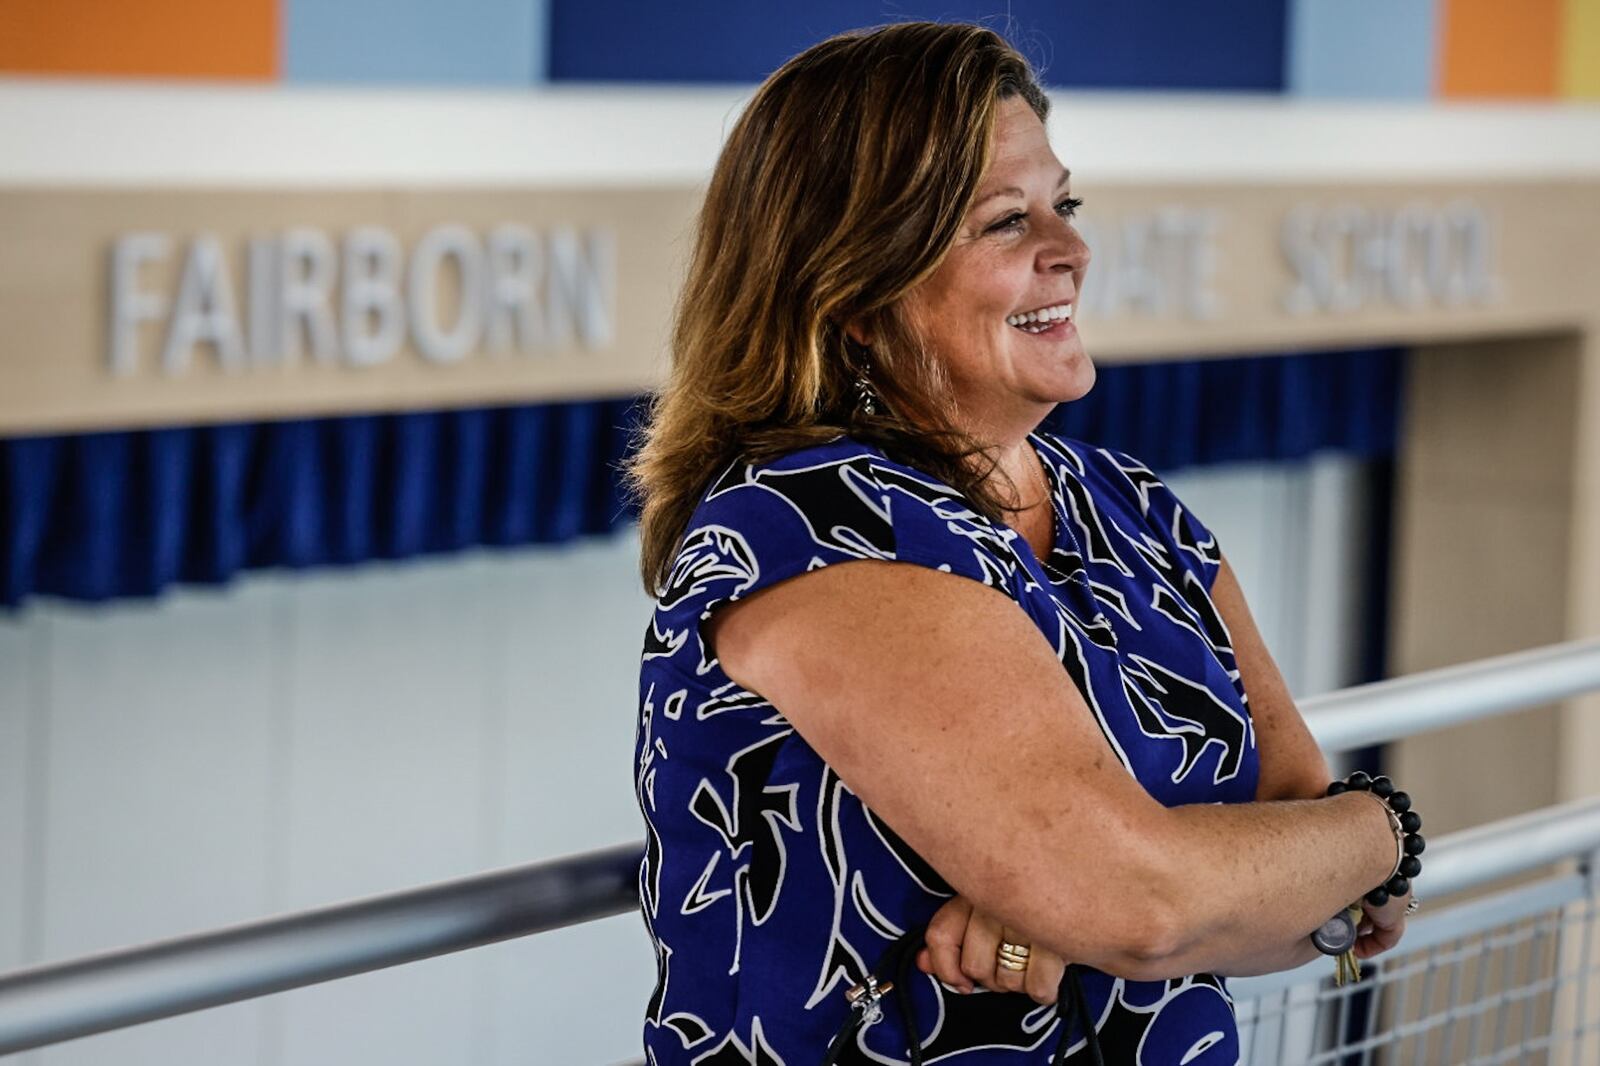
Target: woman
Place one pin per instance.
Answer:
(1034, 738)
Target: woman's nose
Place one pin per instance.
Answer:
(1066, 250)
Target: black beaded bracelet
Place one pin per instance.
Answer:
(1407, 824)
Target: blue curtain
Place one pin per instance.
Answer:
(99, 515)
(1201, 413)
(94, 516)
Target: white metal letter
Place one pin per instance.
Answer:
(1140, 285)
(515, 264)
(432, 339)
(307, 259)
(1203, 300)
(204, 310)
(1410, 238)
(371, 293)
(130, 306)
(1339, 231)
(581, 281)
(1312, 275)
(1478, 281)
(261, 284)
(1097, 299)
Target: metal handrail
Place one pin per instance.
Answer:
(62, 1001)
(1387, 710)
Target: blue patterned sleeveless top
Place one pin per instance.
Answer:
(769, 889)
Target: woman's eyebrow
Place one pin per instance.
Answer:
(1012, 190)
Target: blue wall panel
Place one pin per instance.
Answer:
(1128, 44)
(415, 42)
(1374, 49)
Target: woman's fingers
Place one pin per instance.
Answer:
(1379, 939)
(1045, 969)
(1381, 927)
(947, 931)
(1005, 978)
(963, 947)
(979, 949)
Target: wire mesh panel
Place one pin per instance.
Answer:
(1485, 986)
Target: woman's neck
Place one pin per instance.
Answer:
(1019, 465)
(1017, 476)
(1021, 484)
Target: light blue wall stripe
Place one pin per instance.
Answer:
(416, 42)
(1374, 49)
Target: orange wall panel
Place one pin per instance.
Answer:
(157, 38)
(1492, 48)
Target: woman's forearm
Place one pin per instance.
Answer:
(1240, 887)
(1271, 958)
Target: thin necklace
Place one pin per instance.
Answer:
(1043, 481)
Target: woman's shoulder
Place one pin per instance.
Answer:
(841, 473)
(839, 500)
(1083, 457)
(1106, 470)
(1108, 475)
(840, 450)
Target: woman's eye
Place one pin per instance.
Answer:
(1067, 208)
(1011, 221)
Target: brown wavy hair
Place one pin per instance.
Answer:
(841, 187)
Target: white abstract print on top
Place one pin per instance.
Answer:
(769, 889)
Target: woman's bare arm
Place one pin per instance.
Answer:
(1292, 765)
(942, 706)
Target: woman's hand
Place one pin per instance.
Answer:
(963, 948)
(1382, 927)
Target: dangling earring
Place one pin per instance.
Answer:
(866, 399)
(858, 357)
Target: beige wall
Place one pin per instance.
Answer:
(1486, 502)
(1182, 270)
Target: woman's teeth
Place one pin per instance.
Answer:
(1040, 320)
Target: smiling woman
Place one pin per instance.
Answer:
(999, 306)
(924, 686)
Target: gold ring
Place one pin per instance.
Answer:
(1013, 957)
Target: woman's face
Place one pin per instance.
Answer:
(1017, 255)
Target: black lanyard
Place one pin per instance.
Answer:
(893, 974)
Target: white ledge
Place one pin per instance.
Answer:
(109, 133)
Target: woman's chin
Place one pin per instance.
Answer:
(1086, 376)
(1076, 382)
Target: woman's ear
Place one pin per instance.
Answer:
(858, 332)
